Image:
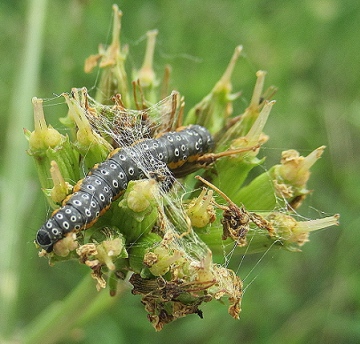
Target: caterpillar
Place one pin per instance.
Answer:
(93, 195)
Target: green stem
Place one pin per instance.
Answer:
(16, 167)
(103, 301)
(57, 321)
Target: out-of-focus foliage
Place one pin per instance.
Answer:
(310, 51)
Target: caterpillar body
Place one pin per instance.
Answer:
(106, 181)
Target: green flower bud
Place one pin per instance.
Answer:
(137, 211)
(200, 210)
(109, 250)
(146, 76)
(113, 78)
(103, 257)
(232, 170)
(90, 144)
(68, 244)
(281, 185)
(161, 259)
(43, 137)
(46, 145)
(61, 188)
(243, 124)
(213, 110)
(293, 234)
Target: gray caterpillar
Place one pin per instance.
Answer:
(106, 181)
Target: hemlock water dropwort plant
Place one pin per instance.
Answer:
(164, 191)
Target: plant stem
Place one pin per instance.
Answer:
(15, 195)
(57, 321)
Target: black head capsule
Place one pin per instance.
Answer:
(43, 240)
(48, 235)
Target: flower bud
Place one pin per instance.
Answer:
(46, 145)
(239, 165)
(293, 234)
(146, 75)
(213, 110)
(137, 212)
(90, 144)
(200, 211)
(282, 185)
(240, 126)
(113, 78)
(61, 188)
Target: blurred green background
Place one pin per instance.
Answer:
(310, 50)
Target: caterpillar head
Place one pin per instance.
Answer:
(48, 235)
